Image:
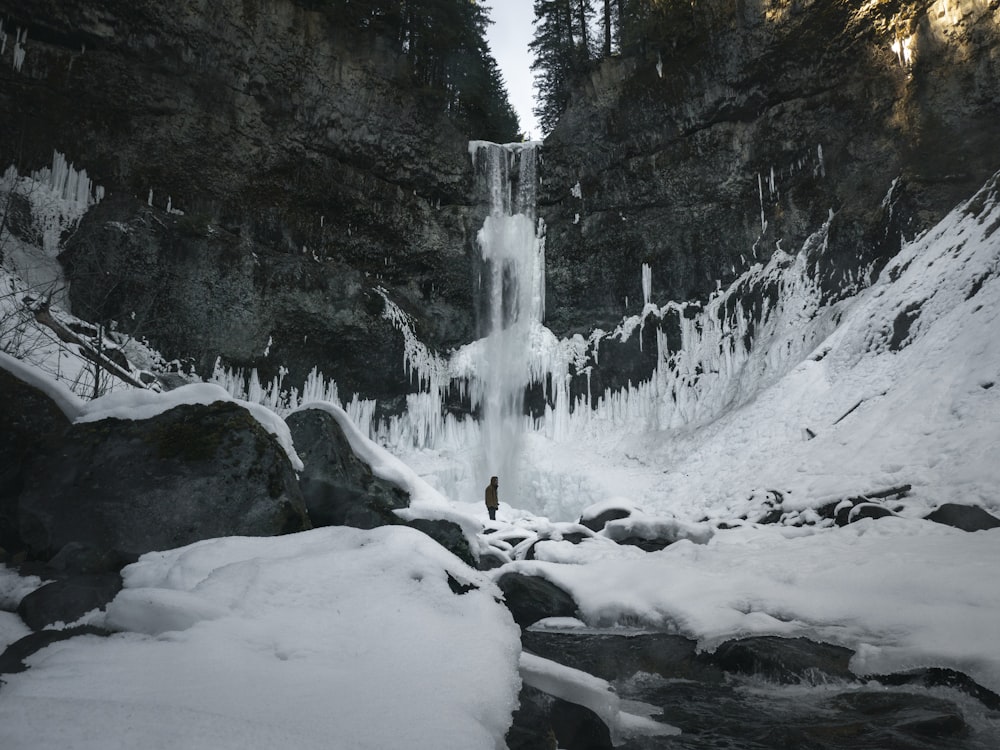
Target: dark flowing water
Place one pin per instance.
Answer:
(768, 693)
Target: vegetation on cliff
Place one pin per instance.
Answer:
(570, 35)
(445, 43)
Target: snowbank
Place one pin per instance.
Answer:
(68, 402)
(143, 404)
(330, 638)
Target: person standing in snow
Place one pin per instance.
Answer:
(492, 501)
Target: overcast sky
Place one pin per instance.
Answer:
(508, 37)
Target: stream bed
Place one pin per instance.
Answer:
(762, 693)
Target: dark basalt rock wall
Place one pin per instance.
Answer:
(308, 167)
(311, 172)
(786, 111)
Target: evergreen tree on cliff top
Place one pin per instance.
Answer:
(445, 43)
(564, 46)
(562, 53)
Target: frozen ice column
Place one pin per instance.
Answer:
(512, 289)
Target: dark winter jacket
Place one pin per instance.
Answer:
(491, 494)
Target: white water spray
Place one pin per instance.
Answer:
(512, 285)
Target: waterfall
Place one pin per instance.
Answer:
(512, 302)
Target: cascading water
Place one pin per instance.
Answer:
(512, 289)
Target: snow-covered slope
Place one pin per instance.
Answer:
(891, 387)
(902, 392)
(335, 637)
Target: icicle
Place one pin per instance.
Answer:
(19, 40)
(760, 193)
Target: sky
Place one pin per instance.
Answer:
(508, 37)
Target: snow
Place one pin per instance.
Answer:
(143, 404)
(885, 409)
(330, 638)
(59, 196)
(12, 628)
(592, 692)
(720, 422)
(855, 586)
(14, 587)
(67, 401)
(796, 405)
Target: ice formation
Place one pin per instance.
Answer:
(59, 196)
(742, 339)
(591, 692)
(512, 288)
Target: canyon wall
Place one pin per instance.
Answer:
(745, 126)
(265, 173)
(269, 175)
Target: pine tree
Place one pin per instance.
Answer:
(445, 44)
(562, 54)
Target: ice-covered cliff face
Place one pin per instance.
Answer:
(706, 151)
(266, 177)
(265, 172)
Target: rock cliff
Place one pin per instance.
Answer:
(741, 127)
(265, 172)
(310, 172)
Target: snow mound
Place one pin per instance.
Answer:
(330, 636)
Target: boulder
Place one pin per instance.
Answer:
(12, 658)
(77, 557)
(127, 487)
(868, 510)
(964, 517)
(596, 523)
(531, 722)
(492, 558)
(544, 722)
(448, 534)
(68, 600)
(786, 661)
(30, 422)
(577, 727)
(533, 598)
(338, 488)
(652, 534)
(932, 677)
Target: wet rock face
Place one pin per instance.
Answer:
(767, 117)
(308, 169)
